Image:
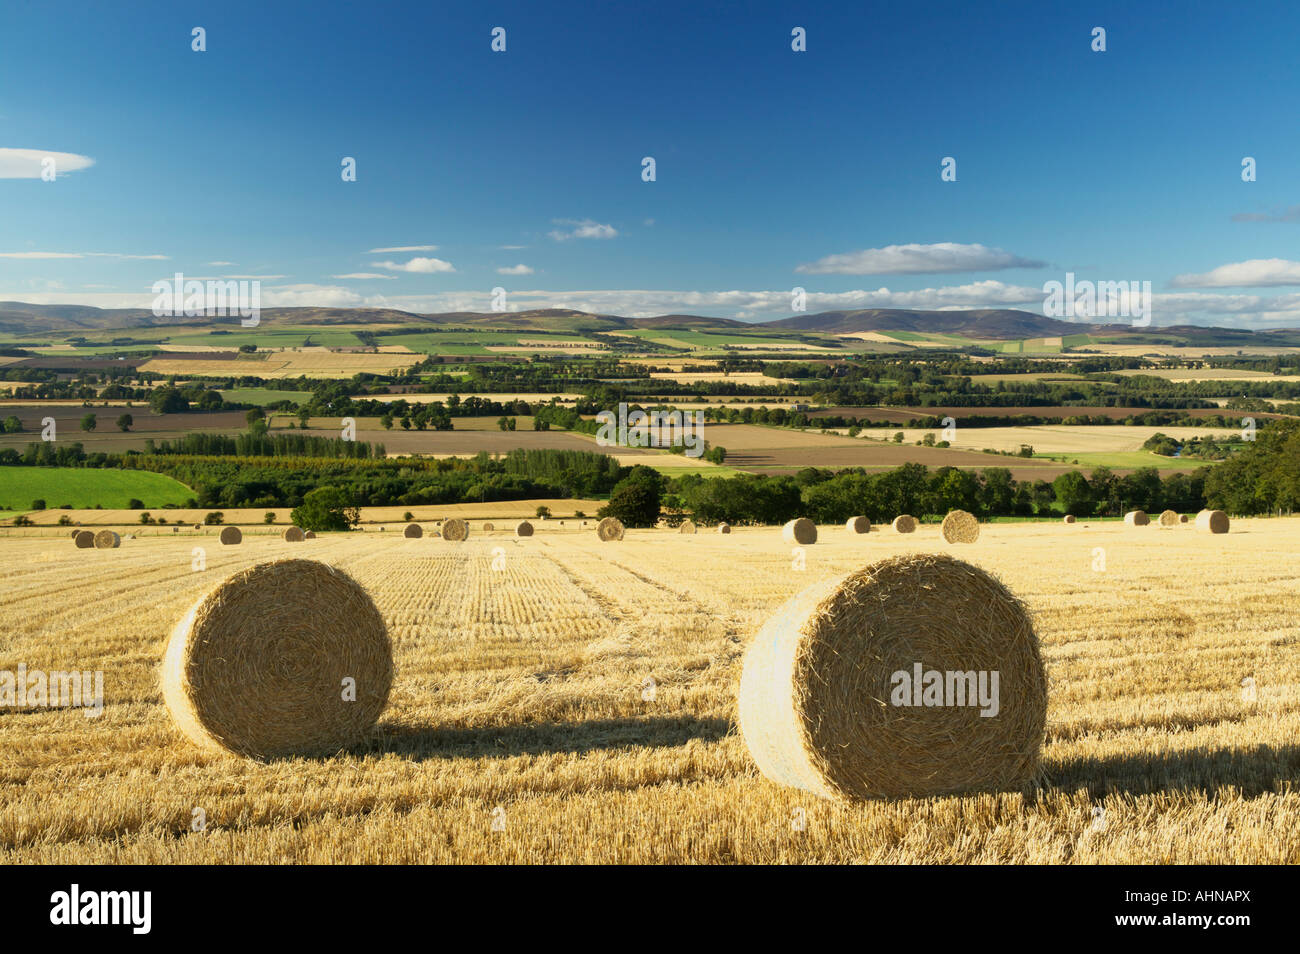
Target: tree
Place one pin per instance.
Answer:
(304, 415)
(637, 499)
(268, 517)
(408, 516)
(326, 508)
(254, 415)
(12, 425)
(386, 421)
(543, 512)
(124, 422)
(214, 519)
(1074, 493)
(135, 504)
(168, 400)
(88, 423)
(38, 503)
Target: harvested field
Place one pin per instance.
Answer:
(518, 692)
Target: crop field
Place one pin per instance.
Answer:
(80, 487)
(1055, 438)
(313, 362)
(578, 704)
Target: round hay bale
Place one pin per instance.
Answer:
(488, 528)
(231, 536)
(724, 528)
(107, 540)
(413, 531)
(822, 702)
(455, 530)
(1212, 521)
(1182, 518)
(1169, 518)
(611, 528)
(84, 539)
(311, 535)
(1068, 518)
(284, 658)
(904, 523)
(688, 526)
(293, 535)
(800, 530)
(523, 529)
(75, 532)
(1136, 518)
(960, 527)
(858, 525)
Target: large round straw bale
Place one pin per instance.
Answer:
(904, 523)
(523, 529)
(1212, 521)
(1068, 518)
(231, 535)
(858, 525)
(413, 530)
(1169, 518)
(1136, 518)
(284, 658)
(724, 528)
(294, 535)
(826, 701)
(488, 528)
(610, 528)
(688, 526)
(107, 540)
(455, 530)
(311, 534)
(84, 539)
(800, 530)
(960, 527)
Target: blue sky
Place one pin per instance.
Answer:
(774, 168)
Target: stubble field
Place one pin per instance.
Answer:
(522, 726)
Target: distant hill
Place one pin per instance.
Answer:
(984, 323)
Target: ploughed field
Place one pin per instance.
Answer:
(523, 726)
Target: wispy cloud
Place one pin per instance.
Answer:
(402, 248)
(582, 229)
(1257, 272)
(511, 248)
(30, 163)
(918, 260)
(515, 270)
(119, 255)
(423, 266)
(365, 276)
(1284, 215)
(220, 264)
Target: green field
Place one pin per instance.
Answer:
(87, 487)
(1125, 459)
(264, 396)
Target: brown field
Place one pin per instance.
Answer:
(904, 414)
(313, 362)
(106, 437)
(1055, 438)
(519, 696)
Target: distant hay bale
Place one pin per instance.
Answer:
(1182, 518)
(609, 529)
(904, 523)
(688, 526)
(107, 540)
(1169, 518)
(231, 536)
(488, 528)
(800, 530)
(75, 532)
(1136, 518)
(826, 702)
(1068, 518)
(858, 525)
(293, 535)
(284, 658)
(523, 529)
(413, 531)
(455, 530)
(960, 527)
(311, 535)
(84, 539)
(1212, 521)
(198, 526)
(724, 528)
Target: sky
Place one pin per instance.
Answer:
(773, 168)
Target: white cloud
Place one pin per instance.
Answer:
(30, 255)
(917, 260)
(402, 248)
(582, 228)
(511, 248)
(363, 276)
(423, 266)
(1257, 272)
(118, 255)
(515, 270)
(220, 264)
(307, 295)
(28, 163)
